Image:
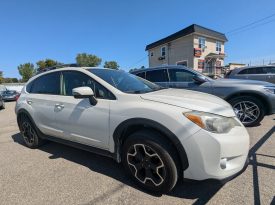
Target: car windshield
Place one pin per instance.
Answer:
(124, 81)
(9, 92)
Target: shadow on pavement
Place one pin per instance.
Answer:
(253, 162)
(202, 191)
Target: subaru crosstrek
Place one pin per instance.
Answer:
(160, 135)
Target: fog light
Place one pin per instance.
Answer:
(223, 163)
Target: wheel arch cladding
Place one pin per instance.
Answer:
(130, 126)
(21, 112)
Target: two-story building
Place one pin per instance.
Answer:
(196, 47)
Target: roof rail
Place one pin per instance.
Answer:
(57, 66)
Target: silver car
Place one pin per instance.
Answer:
(262, 73)
(250, 99)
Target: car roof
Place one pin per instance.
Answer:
(160, 67)
(237, 70)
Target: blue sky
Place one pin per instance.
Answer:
(119, 30)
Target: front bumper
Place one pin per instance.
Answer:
(216, 156)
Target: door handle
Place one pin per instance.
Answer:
(29, 102)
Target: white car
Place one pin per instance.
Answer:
(160, 135)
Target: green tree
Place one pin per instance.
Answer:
(26, 71)
(89, 60)
(42, 64)
(111, 64)
(1, 77)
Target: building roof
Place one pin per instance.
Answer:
(194, 28)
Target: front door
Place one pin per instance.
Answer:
(180, 78)
(79, 120)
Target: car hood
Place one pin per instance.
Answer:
(226, 81)
(191, 100)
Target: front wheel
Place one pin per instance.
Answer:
(248, 109)
(150, 161)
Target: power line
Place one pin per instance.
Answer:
(250, 24)
(138, 61)
(249, 28)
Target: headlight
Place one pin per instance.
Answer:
(270, 89)
(212, 123)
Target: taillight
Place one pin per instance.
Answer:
(17, 96)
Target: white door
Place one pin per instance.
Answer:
(79, 120)
(43, 93)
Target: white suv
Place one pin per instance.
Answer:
(160, 135)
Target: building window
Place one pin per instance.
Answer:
(184, 63)
(151, 54)
(218, 46)
(201, 43)
(163, 51)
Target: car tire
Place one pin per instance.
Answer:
(248, 109)
(3, 105)
(29, 132)
(150, 161)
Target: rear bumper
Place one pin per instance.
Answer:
(271, 99)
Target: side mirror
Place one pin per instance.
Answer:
(199, 79)
(85, 92)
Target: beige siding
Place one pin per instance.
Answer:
(182, 49)
(177, 50)
(210, 44)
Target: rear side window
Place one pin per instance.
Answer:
(74, 79)
(270, 70)
(259, 70)
(142, 75)
(157, 75)
(180, 75)
(46, 84)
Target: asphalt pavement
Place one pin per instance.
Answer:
(58, 174)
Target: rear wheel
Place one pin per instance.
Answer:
(248, 109)
(28, 132)
(150, 161)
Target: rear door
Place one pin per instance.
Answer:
(257, 73)
(42, 98)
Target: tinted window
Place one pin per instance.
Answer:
(270, 70)
(125, 82)
(74, 79)
(46, 84)
(157, 75)
(179, 75)
(258, 70)
(142, 75)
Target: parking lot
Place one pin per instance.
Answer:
(58, 174)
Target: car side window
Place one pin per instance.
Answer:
(46, 84)
(258, 70)
(270, 70)
(242, 72)
(157, 75)
(142, 75)
(180, 75)
(74, 79)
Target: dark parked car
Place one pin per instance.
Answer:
(10, 95)
(262, 73)
(250, 99)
